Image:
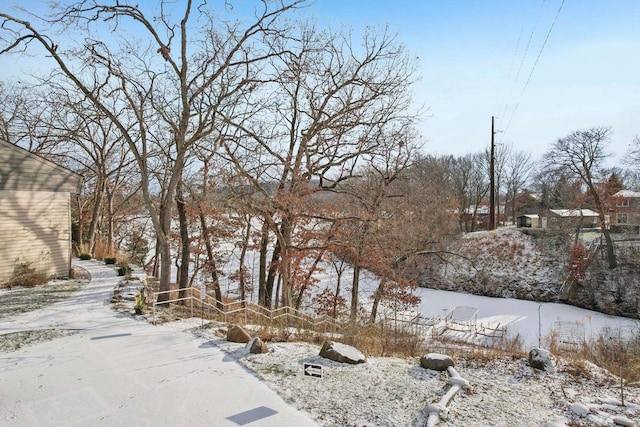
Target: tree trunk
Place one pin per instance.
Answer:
(278, 290)
(335, 300)
(285, 267)
(611, 253)
(211, 260)
(111, 247)
(80, 227)
(97, 207)
(243, 255)
(271, 276)
(165, 249)
(165, 269)
(376, 301)
(303, 288)
(185, 259)
(354, 291)
(262, 279)
(155, 270)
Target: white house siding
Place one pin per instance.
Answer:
(34, 212)
(21, 170)
(36, 230)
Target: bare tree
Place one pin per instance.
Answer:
(58, 125)
(632, 159)
(581, 154)
(176, 69)
(633, 155)
(501, 157)
(328, 106)
(471, 185)
(517, 172)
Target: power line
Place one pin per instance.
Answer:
(553, 24)
(515, 52)
(535, 64)
(533, 30)
(524, 54)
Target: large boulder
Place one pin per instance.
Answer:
(436, 361)
(257, 346)
(541, 359)
(341, 353)
(237, 333)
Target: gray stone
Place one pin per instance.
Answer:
(436, 361)
(541, 359)
(257, 346)
(580, 409)
(237, 333)
(341, 353)
(623, 421)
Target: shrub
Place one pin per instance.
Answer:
(123, 269)
(579, 260)
(101, 250)
(24, 275)
(110, 261)
(84, 256)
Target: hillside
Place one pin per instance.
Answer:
(387, 391)
(508, 263)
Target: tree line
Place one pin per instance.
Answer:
(203, 127)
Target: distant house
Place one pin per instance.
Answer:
(480, 214)
(569, 218)
(35, 213)
(626, 211)
(528, 221)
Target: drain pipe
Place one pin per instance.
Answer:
(439, 410)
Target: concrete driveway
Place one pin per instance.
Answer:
(118, 371)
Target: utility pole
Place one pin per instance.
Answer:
(492, 189)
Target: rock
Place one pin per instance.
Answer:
(558, 422)
(436, 361)
(341, 353)
(257, 346)
(237, 333)
(541, 359)
(580, 409)
(623, 421)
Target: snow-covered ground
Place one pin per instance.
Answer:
(117, 370)
(395, 392)
(380, 392)
(530, 321)
(527, 319)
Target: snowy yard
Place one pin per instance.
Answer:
(503, 391)
(394, 392)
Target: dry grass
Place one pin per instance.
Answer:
(25, 276)
(618, 355)
(102, 251)
(379, 339)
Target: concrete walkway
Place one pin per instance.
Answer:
(118, 371)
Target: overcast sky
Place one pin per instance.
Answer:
(477, 57)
